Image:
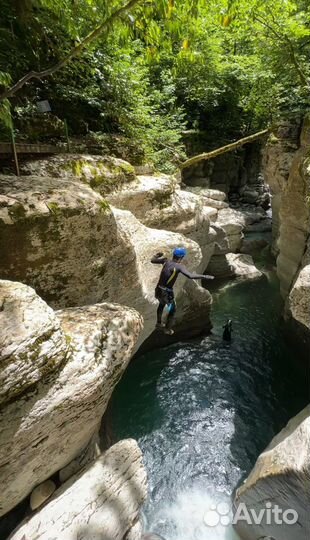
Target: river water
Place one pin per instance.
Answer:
(203, 410)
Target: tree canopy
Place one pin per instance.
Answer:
(150, 69)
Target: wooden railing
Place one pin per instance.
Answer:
(6, 149)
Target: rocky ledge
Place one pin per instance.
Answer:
(72, 362)
(101, 502)
(280, 478)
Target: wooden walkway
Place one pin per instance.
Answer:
(25, 148)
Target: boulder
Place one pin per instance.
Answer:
(233, 265)
(63, 239)
(265, 201)
(280, 478)
(250, 196)
(59, 236)
(101, 173)
(214, 194)
(145, 196)
(265, 225)
(158, 203)
(46, 426)
(232, 221)
(100, 503)
(41, 494)
(32, 342)
(229, 230)
(214, 203)
(213, 197)
(229, 226)
(252, 245)
(299, 298)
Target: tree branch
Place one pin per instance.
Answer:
(284, 38)
(223, 149)
(74, 52)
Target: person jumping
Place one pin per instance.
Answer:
(164, 288)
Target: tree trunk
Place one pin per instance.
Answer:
(223, 149)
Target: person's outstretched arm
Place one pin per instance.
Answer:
(191, 275)
(158, 258)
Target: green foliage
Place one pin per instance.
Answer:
(227, 67)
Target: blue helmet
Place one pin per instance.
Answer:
(179, 252)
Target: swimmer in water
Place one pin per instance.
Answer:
(227, 330)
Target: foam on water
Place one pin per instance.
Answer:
(194, 515)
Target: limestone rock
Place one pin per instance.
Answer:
(32, 343)
(294, 219)
(100, 503)
(278, 157)
(86, 456)
(232, 221)
(252, 245)
(48, 425)
(213, 194)
(214, 203)
(152, 536)
(101, 173)
(233, 265)
(229, 230)
(59, 237)
(281, 476)
(135, 533)
(250, 196)
(74, 250)
(158, 203)
(299, 298)
(41, 493)
(213, 197)
(145, 242)
(145, 196)
(229, 226)
(265, 225)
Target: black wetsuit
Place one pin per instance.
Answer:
(164, 288)
(227, 331)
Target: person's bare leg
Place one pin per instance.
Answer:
(160, 310)
(170, 318)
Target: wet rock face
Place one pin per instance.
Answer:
(102, 502)
(48, 424)
(280, 478)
